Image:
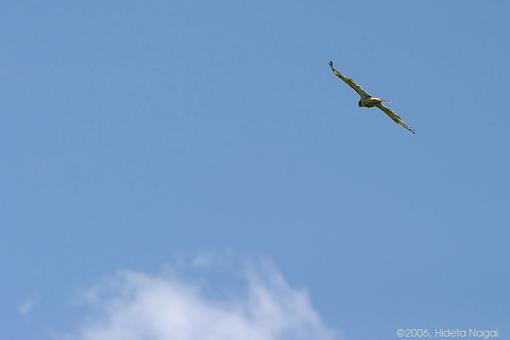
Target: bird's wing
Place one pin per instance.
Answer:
(349, 82)
(396, 118)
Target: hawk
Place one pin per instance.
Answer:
(367, 100)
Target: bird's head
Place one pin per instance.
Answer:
(359, 103)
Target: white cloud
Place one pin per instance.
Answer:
(136, 306)
(26, 307)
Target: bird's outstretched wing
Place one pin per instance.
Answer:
(396, 118)
(349, 82)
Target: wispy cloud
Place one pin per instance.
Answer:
(26, 307)
(135, 306)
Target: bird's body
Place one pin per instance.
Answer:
(367, 100)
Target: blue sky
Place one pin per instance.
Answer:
(134, 134)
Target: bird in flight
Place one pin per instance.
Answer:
(367, 100)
